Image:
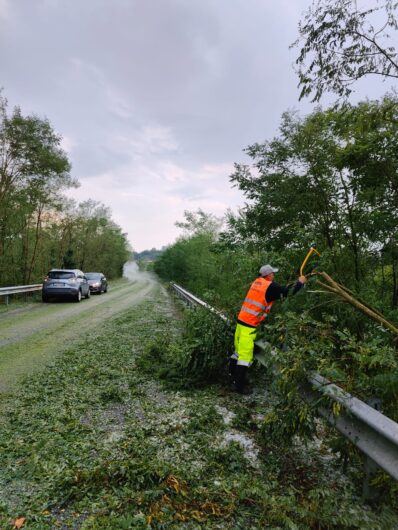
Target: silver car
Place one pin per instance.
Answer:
(65, 283)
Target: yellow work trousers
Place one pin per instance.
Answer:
(244, 344)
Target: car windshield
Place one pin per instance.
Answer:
(60, 275)
(93, 275)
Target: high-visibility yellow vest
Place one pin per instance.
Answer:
(254, 309)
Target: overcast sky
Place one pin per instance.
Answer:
(155, 99)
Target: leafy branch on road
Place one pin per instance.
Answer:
(92, 443)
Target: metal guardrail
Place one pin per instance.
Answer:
(194, 300)
(6, 291)
(368, 429)
(20, 289)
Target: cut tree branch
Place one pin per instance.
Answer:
(345, 294)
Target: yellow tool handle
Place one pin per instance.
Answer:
(311, 251)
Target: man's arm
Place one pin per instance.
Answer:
(276, 291)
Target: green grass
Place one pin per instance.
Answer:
(18, 304)
(93, 443)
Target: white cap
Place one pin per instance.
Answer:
(267, 269)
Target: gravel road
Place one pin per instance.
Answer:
(32, 336)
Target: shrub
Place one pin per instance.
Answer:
(196, 357)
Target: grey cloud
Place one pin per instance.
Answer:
(96, 159)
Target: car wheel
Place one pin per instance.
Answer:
(78, 296)
(88, 294)
(106, 289)
(44, 298)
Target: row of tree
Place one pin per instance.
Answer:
(39, 227)
(329, 178)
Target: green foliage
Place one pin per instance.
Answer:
(188, 259)
(243, 419)
(191, 260)
(147, 256)
(39, 227)
(86, 237)
(93, 442)
(366, 368)
(341, 43)
(200, 223)
(196, 357)
(330, 178)
(33, 172)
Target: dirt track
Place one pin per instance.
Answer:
(32, 336)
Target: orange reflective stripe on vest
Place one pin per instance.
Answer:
(255, 308)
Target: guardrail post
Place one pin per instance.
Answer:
(7, 300)
(369, 491)
(370, 468)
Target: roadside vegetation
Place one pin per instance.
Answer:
(40, 227)
(329, 178)
(95, 442)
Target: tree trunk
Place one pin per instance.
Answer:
(37, 239)
(353, 240)
(25, 250)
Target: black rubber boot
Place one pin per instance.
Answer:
(232, 368)
(240, 379)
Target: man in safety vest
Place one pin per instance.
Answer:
(257, 304)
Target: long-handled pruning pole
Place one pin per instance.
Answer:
(311, 251)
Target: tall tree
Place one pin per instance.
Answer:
(189, 260)
(332, 178)
(200, 222)
(39, 227)
(87, 238)
(33, 172)
(341, 43)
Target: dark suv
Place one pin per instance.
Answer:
(97, 282)
(65, 283)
